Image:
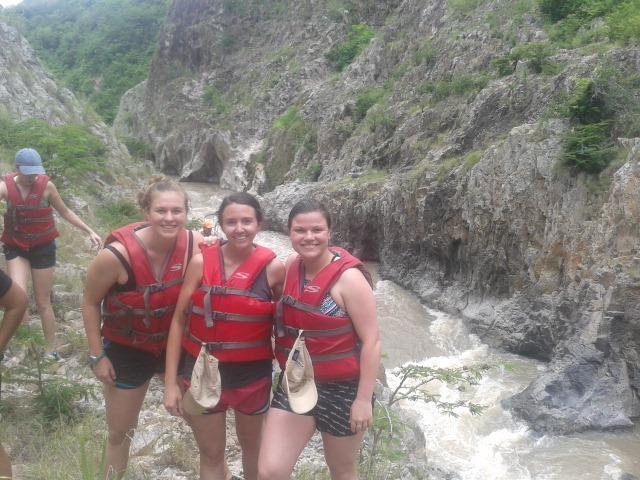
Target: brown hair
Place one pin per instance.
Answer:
(241, 198)
(160, 183)
(308, 206)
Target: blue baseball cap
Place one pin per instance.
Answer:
(29, 162)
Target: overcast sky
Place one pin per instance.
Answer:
(7, 3)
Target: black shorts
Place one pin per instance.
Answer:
(333, 410)
(5, 283)
(42, 256)
(133, 367)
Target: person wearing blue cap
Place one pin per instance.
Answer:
(30, 232)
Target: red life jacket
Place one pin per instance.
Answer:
(226, 315)
(27, 223)
(332, 341)
(141, 318)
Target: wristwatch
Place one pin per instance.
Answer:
(94, 359)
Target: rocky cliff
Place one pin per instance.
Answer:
(438, 148)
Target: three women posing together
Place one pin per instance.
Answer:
(226, 304)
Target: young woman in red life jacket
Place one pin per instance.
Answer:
(136, 280)
(30, 232)
(229, 293)
(327, 294)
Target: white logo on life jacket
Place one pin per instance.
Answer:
(176, 267)
(241, 275)
(312, 288)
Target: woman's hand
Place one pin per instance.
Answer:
(95, 239)
(361, 415)
(173, 399)
(103, 370)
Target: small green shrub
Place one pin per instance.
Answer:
(425, 54)
(588, 147)
(586, 105)
(536, 54)
(458, 86)
(504, 66)
(464, 6)
(367, 100)
(624, 22)
(117, 214)
(312, 173)
(344, 53)
(137, 148)
(214, 100)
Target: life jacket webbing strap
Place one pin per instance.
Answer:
(292, 302)
(320, 358)
(294, 332)
(33, 236)
(219, 290)
(148, 337)
(213, 346)
(231, 317)
(146, 297)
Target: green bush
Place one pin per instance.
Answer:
(624, 22)
(344, 53)
(458, 86)
(535, 54)
(137, 148)
(69, 152)
(588, 147)
(117, 214)
(574, 20)
(586, 105)
(215, 101)
(367, 100)
(425, 54)
(464, 6)
(504, 66)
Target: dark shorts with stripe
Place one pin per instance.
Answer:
(5, 283)
(42, 256)
(333, 410)
(246, 386)
(134, 367)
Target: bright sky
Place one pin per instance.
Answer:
(8, 3)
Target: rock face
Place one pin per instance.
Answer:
(26, 90)
(456, 192)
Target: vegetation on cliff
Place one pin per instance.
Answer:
(100, 49)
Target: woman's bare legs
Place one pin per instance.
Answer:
(42, 280)
(210, 434)
(122, 408)
(248, 430)
(18, 269)
(284, 436)
(341, 454)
